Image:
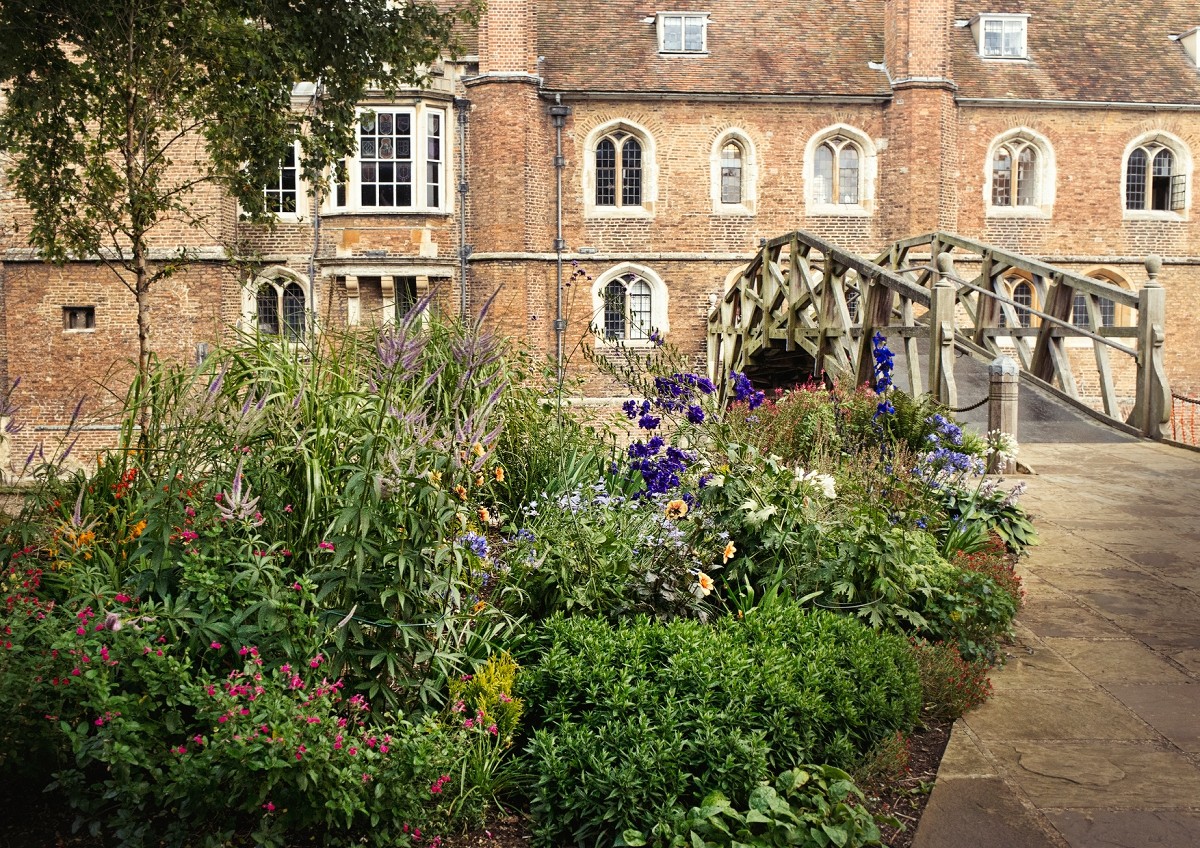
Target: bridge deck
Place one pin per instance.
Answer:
(1093, 736)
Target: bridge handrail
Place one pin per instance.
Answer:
(1036, 267)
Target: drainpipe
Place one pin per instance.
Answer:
(316, 216)
(558, 114)
(462, 108)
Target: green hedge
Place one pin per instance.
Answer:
(640, 721)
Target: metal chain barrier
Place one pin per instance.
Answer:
(986, 398)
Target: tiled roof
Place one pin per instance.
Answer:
(753, 48)
(1092, 50)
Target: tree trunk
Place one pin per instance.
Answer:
(142, 294)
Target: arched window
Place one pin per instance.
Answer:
(836, 172)
(731, 172)
(281, 308)
(1154, 179)
(1022, 291)
(1108, 309)
(628, 309)
(1015, 174)
(618, 170)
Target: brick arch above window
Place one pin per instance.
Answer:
(620, 171)
(1020, 175)
(733, 174)
(840, 171)
(1156, 177)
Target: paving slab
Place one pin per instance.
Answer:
(1116, 661)
(1171, 709)
(1045, 714)
(1100, 775)
(1128, 828)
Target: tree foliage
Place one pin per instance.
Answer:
(116, 110)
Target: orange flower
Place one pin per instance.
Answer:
(705, 582)
(730, 550)
(478, 479)
(499, 473)
(461, 491)
(484, 515)
(677, 509)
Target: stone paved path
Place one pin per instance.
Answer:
(1093, 737)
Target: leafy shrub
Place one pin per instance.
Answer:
(950, 685)
(638, 719)
(969, 609)
(808, 807)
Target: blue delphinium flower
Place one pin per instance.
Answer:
(477, 544)
(695, 414)
(743, 389)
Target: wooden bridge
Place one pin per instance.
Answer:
(804, 308)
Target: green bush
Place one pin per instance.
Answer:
(950, 685)
(639, 719)
(809, 807)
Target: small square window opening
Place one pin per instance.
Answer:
(79, 318)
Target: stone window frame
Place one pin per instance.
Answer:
(659, 323)
(280, 277)
(1182, 159)
(749, 184)
(868, 171)
(660, 24)
(1046, 170)
(649, 175)
(346, 198)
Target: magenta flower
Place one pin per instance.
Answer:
(325, 546)
(269, 807)
(216, 646)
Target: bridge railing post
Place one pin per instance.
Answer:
(1003, 382)
(941, 335)
(1152, 405)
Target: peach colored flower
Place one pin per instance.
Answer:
(730, 551)
(677, 509)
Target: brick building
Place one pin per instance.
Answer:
(1069, 131)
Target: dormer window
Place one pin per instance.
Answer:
(1001, 36)
(1191, 43)
(680, 32)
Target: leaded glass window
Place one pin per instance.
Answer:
(281, 308)
(618, 186)
(841, 184)
(385, 153)
(628, 309)
(1153, 180)
(731, 173)
(1015, 174)
(280, 196)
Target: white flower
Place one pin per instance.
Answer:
(824, 482)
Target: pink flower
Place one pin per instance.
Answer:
(75, 672)
(285, 669)
(366, 777)
(269, 807)
(326, 546)
(242, 651)
(300, 752)
(494, 730)
(469, 723)
(122, 598)
(383, 749)
(354, 752)
(315, 661)
(297, 586)
(81, 631)
(223, 719)
(216, 646)
(199, 740)
(287, 508)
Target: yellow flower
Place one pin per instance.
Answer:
(477, 449)
(499, 473)
(461, 491)
(137, 529)
(730, 550)
(478, 479)
(705, 583)
(677, 509)
(435, 477)
(480, 606)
